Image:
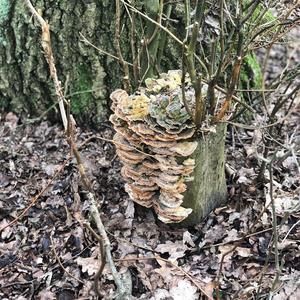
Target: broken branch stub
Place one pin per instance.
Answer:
(155, 140)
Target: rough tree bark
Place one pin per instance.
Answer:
(25, 85)
(88, 75)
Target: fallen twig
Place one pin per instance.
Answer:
(103, 260)
(36, 198)
(60, 263)
(46, 44)
(190, 277)
(275, 233)
(69, 125)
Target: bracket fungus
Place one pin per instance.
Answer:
(155, 140)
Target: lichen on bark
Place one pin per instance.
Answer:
(4, 16)
(25, 84)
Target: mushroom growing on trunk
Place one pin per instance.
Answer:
(168, 163)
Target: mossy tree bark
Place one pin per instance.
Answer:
(88, 75)
(208, 189)
(25, 84)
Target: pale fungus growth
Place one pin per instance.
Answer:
(155, 142)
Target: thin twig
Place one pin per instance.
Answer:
(290, 230)
(190, 277)
(60, 263)
(36, 198)
(280, 120)
(46, 44)
(126, 80)
(103, 260)
(122, 293)
(153, 21)
(187, 108)
(84, 39)
(96, 216)
(69, 125)
(275, 233)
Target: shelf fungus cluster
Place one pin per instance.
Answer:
(154, 141)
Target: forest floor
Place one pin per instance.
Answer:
(47, 253)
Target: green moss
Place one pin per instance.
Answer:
(4, 16)
(4, 10)
(252, 71)
(268, 16)
(250, 78)
(81, 87)
(152, 6)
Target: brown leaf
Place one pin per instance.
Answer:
(176, 250)
(184, 290)
(90, 265)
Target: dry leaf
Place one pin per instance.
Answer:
(184, 290)
(89, 265)
(46, 295)
(243, 252)
(175, 250)
(187, 238)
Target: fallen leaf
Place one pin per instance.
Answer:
(232, 235)
(284, 202)
(225, 249)
(161, 294)
(184, 290)
(187, 238)
(46, 295)
(175, 250)
(125, 248)
(4, 180)
(50, 169)
(11, 120)
(165, 271)
(7, 232)
(103, 162)
(89, 265)
(243, 252)
(129, 213)
(144, 278)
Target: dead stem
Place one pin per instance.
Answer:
(60, 263)
(103, 259)
(190, 277)
(69, 125)
(126, 81)
(36, 198)
(85, 40)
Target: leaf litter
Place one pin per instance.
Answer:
(29, 267)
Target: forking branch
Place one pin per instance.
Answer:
(69, 125)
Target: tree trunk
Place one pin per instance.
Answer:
(25, 84)
(168, 164)
(208, 189)
(87, 74)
